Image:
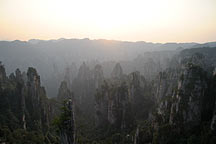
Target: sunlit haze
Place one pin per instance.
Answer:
(130, 20)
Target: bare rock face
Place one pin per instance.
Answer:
(187, 103)
(66, 120)
(166, 81)
(64, 92)
(140, 95)
(117, 71)
(21, 90)
(67, 129)
(70, 74)
(151, 68)
(164, 87)
(213, 121)
(135, 81)
(214, 73)
(184, 94)
(33, 84)
(136, 136)
(118, 102)
(180, 95)
(2, 73)
(36, 102)
(27, 99)
(19, 77)
(83, 85)
(111, 105)
(84, 72)
(98, 76)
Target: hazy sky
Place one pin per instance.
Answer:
(131, 20)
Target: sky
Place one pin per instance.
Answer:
(126, 20)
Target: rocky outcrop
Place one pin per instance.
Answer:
(213, 120)
(33, 86)
(117, 71)
(67, 128)
(214, 73)
(140, 95)
(184, 95)
(70, 74)
(185, 99)
(2, 73)
(135, 82)
(98, 76)
(112, 105)
(85, 85)
(136, 136)
(24, 104)
(151, 68)
(165, 85)
(36, 102)
(21, 93)
(188, 99)
(117, 100)
(64, 93)
(82, 85)
(84, 72)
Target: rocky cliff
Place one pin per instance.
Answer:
(23, 103)
(119, 101)
(117, 71)
(67, 123)
(185, 97)
(83, 86)
(65, 119)
(64, 93)
(213, 121)
(98, 76)
(2, 73)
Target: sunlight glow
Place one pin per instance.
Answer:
(133, 20)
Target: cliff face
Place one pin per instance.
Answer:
(119, 101)
(117, 71)
(83, 85)
(67, 127)
(65, 120)
(110, 101)
(24, 107)
(26, 99)
(185, 97)
(64, 93)
(136, 82)
(36, 102)
(140, 95)
(2, 73)
(21, 93)
(98, 76)
(213, 121)
(112, 104)
(188, 99)
(70, 74)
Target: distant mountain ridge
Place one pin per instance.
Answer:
(208, 44)
(52, 57)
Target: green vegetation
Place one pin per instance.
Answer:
(24, 119)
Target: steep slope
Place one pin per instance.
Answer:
(24, 106)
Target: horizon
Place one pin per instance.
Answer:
(107, 40)
(150, 21)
